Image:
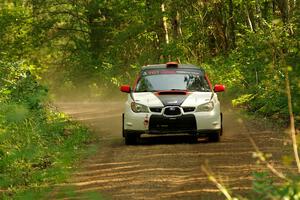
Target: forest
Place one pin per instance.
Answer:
(56, 49)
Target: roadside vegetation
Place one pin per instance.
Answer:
(66, 47)
(38, 145)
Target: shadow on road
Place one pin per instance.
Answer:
(170, 139)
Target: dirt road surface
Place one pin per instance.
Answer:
(166, 167)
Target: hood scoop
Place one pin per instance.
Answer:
(172, 98)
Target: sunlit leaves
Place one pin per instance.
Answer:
(243, 100)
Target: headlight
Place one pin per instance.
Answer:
(139, 108)
(205, 107)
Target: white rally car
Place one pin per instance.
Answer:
(172, 99)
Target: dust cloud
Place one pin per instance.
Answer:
(99, 108)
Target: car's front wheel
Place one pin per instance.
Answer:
(214, 136)
(131, 139)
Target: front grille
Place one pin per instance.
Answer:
(172, 111)
(188, 109)
(181, 124)
(156, 109)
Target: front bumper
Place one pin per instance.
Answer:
(193, 123)
(184, 124)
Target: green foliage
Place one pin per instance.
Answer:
(255, 70)
(243, 100)
(266, 188)
(97, 45)
(37, 144)
(262, 185)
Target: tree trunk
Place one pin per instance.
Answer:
(165, 27)
(284, 10)
(176, 25)
(258, 13)
(97, 35)
(249, 18)
(165, 23)
(231, 26)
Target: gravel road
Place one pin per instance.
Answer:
(166, 167)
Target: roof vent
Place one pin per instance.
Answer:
(172, 65)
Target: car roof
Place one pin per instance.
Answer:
(164, 66)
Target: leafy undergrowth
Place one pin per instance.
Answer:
(37, 150)
(38, 145)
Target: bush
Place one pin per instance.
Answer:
(37, 144)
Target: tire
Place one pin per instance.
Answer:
(123, 131)
(214, 136)
(221, 131)
(194, 138)
(131, 139)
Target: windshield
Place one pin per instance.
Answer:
(159, 80)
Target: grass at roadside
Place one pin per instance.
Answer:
(38, 150)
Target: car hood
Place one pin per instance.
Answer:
(159, 100)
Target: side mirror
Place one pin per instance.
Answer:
(219, 88)
(125, 88)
